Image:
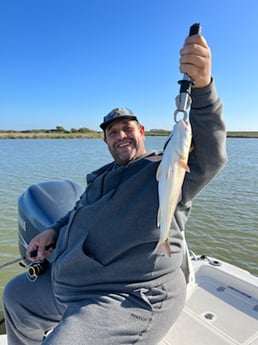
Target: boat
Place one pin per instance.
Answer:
(222, 302)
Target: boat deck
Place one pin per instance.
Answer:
(222, 309)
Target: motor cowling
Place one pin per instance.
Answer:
(41, 205)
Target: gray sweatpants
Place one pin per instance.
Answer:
(143, 317)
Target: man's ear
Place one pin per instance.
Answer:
(142, 130)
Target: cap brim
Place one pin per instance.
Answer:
(104, 125)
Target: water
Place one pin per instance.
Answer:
(223, 223)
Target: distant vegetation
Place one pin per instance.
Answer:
(247, 134)
(84, 132)
(58, 132)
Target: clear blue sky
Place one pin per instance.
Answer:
(67, 63)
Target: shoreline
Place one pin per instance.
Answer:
(96, 135)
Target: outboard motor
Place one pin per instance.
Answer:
(41, 205)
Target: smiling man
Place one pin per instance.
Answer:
(106, 284)
(124, 135)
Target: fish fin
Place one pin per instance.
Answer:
(158, 218)
(163, 248)
(158, 173)
(184, 165)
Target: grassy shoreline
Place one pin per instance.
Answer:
(96, 134)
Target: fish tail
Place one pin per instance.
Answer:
(163, 248)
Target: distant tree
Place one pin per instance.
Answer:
(74, 130)
(84, 130)
(60, 129)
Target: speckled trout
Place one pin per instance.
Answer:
(170, 175)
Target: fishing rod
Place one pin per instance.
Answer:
(33, 269)
(183, 100)
(11, 262)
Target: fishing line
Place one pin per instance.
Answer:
(9, 263)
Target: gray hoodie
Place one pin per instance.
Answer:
(106, 242)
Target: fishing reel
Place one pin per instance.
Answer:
(35, 269)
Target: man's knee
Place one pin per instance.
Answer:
(13, 289)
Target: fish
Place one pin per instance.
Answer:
(170, 176)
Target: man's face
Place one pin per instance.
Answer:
(125, 140)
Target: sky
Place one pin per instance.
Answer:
(69, 62)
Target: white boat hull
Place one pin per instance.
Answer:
(222, 308)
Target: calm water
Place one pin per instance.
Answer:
(223, 223)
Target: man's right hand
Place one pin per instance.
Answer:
(41, 245)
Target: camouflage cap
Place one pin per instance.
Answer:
(117, 114)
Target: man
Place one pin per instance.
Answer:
(106, 285)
